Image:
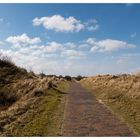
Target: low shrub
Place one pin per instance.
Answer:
(68, 78)
(42, 75)
(7, 98)
(79, 77)
(5, 61)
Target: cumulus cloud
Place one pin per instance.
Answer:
(83, 45)
(66, 50)
(70, 45)
(59, 24)
(122, 59)
(49, 58)
(51, 47)
(1, 43)
(107, 45)
(73, 54)
(93, 28)
(34, 60)
(39, 61)
(92, 25)
(53, 56)
(127, 57)
(23, 39)
(91, 40)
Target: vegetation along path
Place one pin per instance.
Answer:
(85, 116)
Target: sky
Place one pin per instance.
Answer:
(72, 39)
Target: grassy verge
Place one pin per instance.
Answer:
(124, 106)
(44, 117)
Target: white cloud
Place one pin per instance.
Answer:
(1, 43)
(108, 45)
(70, 45)
(59, 24)
(73, 54)
(93, 28)
(122, 59)
(28, 58)
(91, 40)
(53, 47)
(92, 25)
(59, 58)
(36, 59)
(48, 58)
(127, 57)
(83, 45)
(133, 35)
(18, 41)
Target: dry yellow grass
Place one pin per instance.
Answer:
(26, 95)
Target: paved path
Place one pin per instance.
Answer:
(85, 116)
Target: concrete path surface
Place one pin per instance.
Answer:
(85, 116)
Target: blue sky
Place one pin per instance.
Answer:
(72, 39)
